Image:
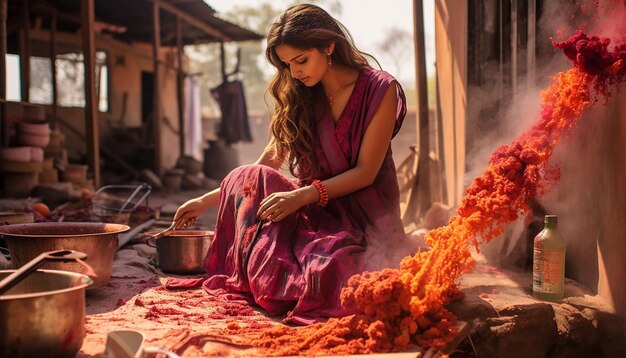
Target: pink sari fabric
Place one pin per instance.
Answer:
(297, 267)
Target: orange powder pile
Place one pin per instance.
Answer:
(405, 306)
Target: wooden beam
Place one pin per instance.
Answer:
(91, 104)
(75, 39)
(53, 67)
(501, 41)
(514, 49)
(46, 6)
(192, 21)
(421, 78)
(4, 135)
(180, 81)
(25, 52)
(223, 62)
(420, 198)
(530, 52)
(156, 113)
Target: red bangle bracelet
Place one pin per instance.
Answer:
(321, 188)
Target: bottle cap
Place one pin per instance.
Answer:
(550, 219)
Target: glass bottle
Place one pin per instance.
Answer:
(549, 262)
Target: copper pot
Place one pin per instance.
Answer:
(43, 315)
(97, 240)
(182, 251)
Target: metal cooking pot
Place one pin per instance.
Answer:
(97, 240)
(43, 315)
(182, 251)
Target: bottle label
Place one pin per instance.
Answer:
(548, 270)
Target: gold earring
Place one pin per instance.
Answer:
(330, 60)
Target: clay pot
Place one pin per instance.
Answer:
(75, 173)
(33, 127)
(36, 154)
(35, 140)
(16, 154)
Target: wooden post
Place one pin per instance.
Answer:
(25, 52)
(223, 62)
(4, 135)
(156, 113)
(420, 199)
(514, 48)
(500, 87)
(180, 81)
(193, 21)
(530, 54)
(91, 104)
(53, 67)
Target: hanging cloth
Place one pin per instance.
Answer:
(235, 126)
(193, 119)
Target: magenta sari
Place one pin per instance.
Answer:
(298, 266)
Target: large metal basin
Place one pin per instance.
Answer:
(44, 315)
(97, 240)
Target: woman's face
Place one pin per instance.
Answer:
(307, 66)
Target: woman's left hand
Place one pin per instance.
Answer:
(278, 205)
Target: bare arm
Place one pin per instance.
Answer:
(371, 155)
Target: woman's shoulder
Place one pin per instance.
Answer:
(378, 77)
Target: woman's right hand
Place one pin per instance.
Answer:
(187, 213)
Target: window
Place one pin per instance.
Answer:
(40, 80)
(70, 80)
(14, 90)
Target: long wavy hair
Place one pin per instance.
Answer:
(292, 125)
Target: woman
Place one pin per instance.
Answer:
(290, 246)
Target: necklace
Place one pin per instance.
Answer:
(331, 98)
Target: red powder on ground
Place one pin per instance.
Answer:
(404, 306)
(157, 312)
(153, 281)
(235, 308)
(139, 302)
(123, 277)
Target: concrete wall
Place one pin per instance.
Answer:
(591, 200)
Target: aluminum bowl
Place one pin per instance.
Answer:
(43, 315)
(97, 240)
